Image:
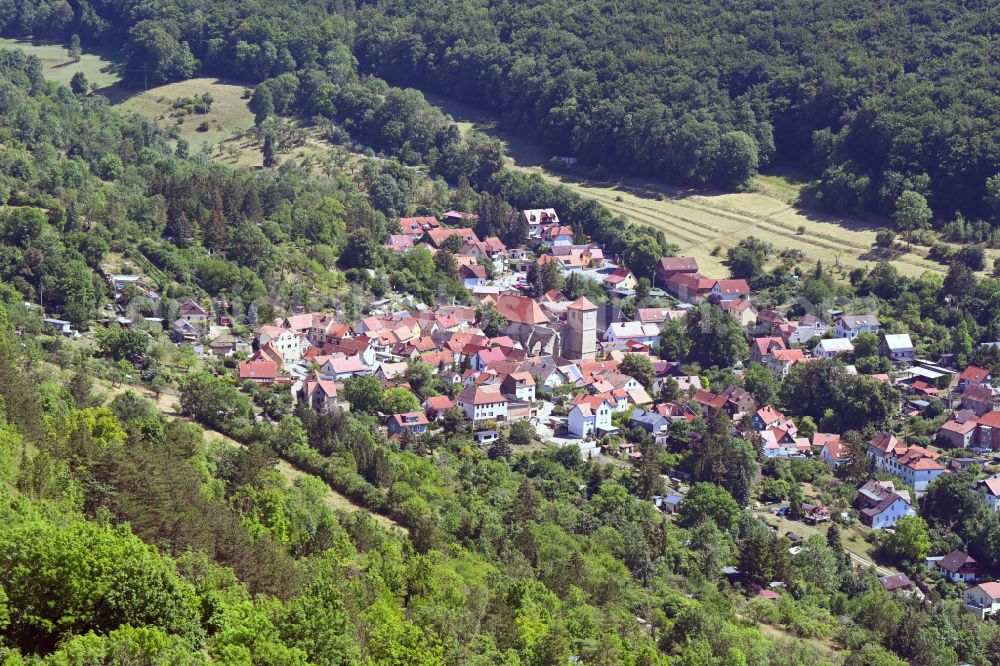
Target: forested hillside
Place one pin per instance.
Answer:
(873, 98)
(158, 507)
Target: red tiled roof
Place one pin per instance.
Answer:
(408, 419)
(703, 397)
(440, 402)
(258, 370)
(520, 309)
(679, 264)
(733, 286)
(478, 395)
(974, 375)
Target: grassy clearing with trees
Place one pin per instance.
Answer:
(102, 69)
(706, 224)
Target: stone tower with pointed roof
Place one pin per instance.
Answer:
(580, 334)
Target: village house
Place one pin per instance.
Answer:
(960, 432)
(896, 583)
(584, 420)
(851, 326)
(620, 333)
(916, 466)
(436, 405)
(408, 422)
(415, 227)
(184, 331)
(881, 505)
(668, 267)
(741, 310)
(472, 275)
(982, 599)
(956, 566)
(481, 403)
(437, 237)
(323, 395)
(832, 450)
(973, 376)
(292, 346)
(520, 385)
(621, 280)
(767, 320)
(990, 490)
(762, 348)
(981, 399)
(539, 218)
(258, 371)
(897, 347)
(399, 243)
(654, 423)
(832, 347)
(192, 313)
(228, 345)
(339, 367)
(556, 235)
(782, 361)
(690, 287)
(728, 290)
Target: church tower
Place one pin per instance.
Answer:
(580, 336)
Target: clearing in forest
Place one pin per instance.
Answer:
(706, 224)
(227, 117)
(102, 69)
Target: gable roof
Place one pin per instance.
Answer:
(955, 560)
(478, 395)
(898, 342)
(732, 287)
(974, 375)
(678, 264)
(520, 309)
(991, 589)
(258, 369)
(190, 306)
(858, 321)
(407, 419)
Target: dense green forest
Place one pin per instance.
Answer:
(871, 98)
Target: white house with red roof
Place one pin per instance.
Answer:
(782, 360)
(291, 345)
(990, 490)
(915, 465)
(982, 599)
(192, 313)
(539, 218)
(585, 419)
(621, 279)
(832, 450)
(762, 348)
(728, 290)
(974, 376)
(556, 234)
(472, 275)
(481, 403)
(322, 394)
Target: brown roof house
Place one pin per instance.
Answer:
(956, 566)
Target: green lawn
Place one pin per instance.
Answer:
(100, 68)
